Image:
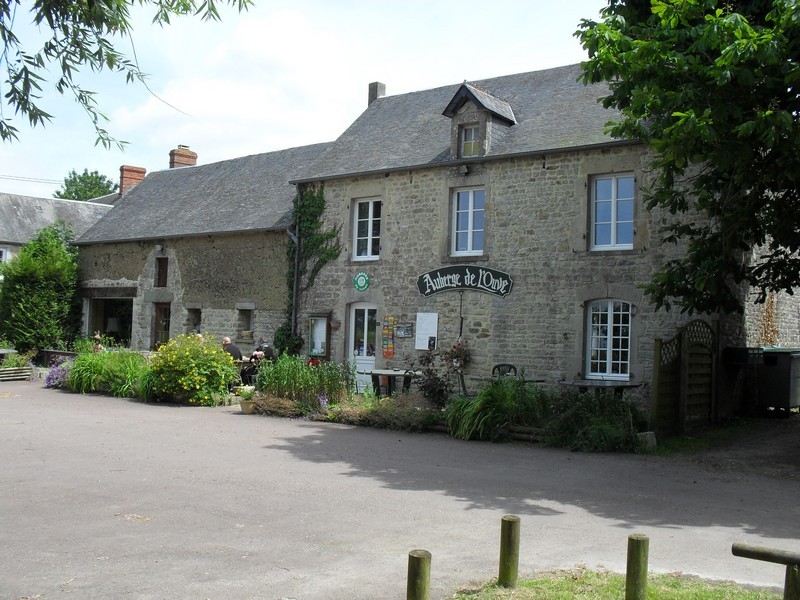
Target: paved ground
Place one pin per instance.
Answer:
(106, 498)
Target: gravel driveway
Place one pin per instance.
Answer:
(108, 498)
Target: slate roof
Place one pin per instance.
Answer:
(483, 99)
(22, 216)
(552, 111)
(251, 193)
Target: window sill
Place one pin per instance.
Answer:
(466, 258)
(601, 383)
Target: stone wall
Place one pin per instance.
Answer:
(223, 278)
(537, 218)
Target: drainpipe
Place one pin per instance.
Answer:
(295, 237)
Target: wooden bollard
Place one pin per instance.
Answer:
(509, 551)
(636, 573)
(419, 575)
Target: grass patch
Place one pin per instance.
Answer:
(602, 585)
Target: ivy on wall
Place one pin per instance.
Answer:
(318, 246)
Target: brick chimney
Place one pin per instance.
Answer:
(129, 177)
(182, 157)
(376, 90)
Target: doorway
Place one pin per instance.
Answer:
(362, 340)
(161, 323)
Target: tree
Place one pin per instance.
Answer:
(85, 186)
(81, 36)
(712, 87)
(38, 294)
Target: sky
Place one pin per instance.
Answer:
(281, 75)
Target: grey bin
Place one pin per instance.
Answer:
(779, 379)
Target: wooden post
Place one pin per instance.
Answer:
(419, 575)
(509, 551)
(636, 573)
(791, 586)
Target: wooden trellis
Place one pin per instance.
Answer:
(684, 379)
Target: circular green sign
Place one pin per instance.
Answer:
(361, 281)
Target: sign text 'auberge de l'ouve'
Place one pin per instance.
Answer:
(465, 277)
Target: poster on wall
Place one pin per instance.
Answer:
(427, 328)
(389, 323)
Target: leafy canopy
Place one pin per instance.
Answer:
(712, 87)
(78, 35)
(38, 295)
(85, 186)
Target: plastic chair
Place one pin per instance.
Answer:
(504, 370)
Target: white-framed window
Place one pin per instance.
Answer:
(367, 230)
(468, 222)
(612, 212)
(469, 140)
(5, 256)
(608, 352)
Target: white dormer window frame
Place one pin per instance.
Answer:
(469, 140)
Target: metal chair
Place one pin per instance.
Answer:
(504, 370)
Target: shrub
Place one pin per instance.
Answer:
(312, 387)
(487, 416)
(23, 359)
(192, 369)
(433, 385)
(590, 422)
(383, 413)
(38, 298)
(117, 372)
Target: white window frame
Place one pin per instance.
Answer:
(471, 228)
(5, 256)
(469, 140)
(371, 237)
(614, 221)
(608, 339)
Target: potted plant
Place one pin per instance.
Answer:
(246, 401)
(459, 354)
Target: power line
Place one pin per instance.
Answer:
(29, 179)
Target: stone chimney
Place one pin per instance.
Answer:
(376, 90)
(129, 177)
(182, 157)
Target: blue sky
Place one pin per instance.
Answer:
(284, 74)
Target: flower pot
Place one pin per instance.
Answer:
(458, 363)
(248, 406)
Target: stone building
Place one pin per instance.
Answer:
(193, 248)
(22, 216)
(499, 213)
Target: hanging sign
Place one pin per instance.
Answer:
(361, 281)
(465, 277)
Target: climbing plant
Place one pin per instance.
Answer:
(318, 246)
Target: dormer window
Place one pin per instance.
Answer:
(470, 140)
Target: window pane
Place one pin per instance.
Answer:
(477, 220)
(463, 221)
(376, 210)
(363, 229)
(461, 242)
(362, 248)
(363, 210)
(602, 212)
(602, 235)
(625, 233)
(376, 227)
(625, 210)
(625, 187)
(376, 247)
(477, 241)
(478, 199)
(602, 189)
(462, 201)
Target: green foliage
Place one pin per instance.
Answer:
(433, 383)
(85, 186)
(383, 413)
(712, 87)
(38, 297)
(192, 369)
(24, 359)
(487, 416)
(590, 422)
(312, 387)
(77, 35)
(286, 341)
(118, 373)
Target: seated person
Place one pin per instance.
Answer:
(231, 348)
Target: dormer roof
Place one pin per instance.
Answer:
(483, 100)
